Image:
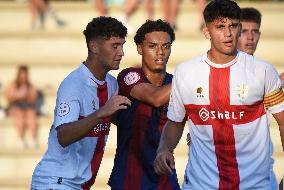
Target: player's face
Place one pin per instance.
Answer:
(223, 33)
(155, 51)
(110, 52)
(249, 37)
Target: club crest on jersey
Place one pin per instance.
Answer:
(63, 109)
(199, 92)
(242, 91)
(131, 78)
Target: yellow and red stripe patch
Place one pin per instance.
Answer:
(274, 98)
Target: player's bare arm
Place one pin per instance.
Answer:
(164, 162)
(69, 133)
(151, 94)
(281, 185)
(279, 117)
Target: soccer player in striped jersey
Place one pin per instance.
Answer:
(139, 126)
(226, 94)
(86, 100)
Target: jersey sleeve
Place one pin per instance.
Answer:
(176, 110)
(127, 79)
(274, 96)
(67, 107)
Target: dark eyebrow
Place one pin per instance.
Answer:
(117, 43)
(153, 43)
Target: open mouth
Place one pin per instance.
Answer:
(228, 43)
(159, 61)
(249, 45)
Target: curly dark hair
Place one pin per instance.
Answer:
(221, 9)
(251, 14)
(153, 26)
(104, 27)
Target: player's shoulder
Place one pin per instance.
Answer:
(132, 72)
(254, 61)
(129, 70)
(72, 82)
(74, 77)
(190, 64)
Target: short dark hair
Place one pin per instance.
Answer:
(251, 14)
(221, 9)
(104, 27)
(153, 26)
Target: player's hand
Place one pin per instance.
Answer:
(115, 103)
(188, 139)
(164, 163)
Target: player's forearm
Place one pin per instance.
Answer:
(279, 117)
(72, 132)
(161, 95)
(171, 135)
(281, 129)
(150, 94)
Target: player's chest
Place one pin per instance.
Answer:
(234, 85)
(92, 99)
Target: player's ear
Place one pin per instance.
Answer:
(240, 29)
(93, 46)
(206, 32)
(139, 49)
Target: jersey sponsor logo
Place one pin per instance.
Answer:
(242, 91)
(63, 109)
(204, 115)
(131, 78)
(100, 130)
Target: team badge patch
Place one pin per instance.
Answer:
(242, 91)
(131, 78)
(63, 109)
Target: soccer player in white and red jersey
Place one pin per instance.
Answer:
(86, 100)
(226, 94)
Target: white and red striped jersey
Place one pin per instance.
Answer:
(226, 106)
(76, 166)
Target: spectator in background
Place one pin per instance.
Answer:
(22, 97)
(42, 8)
(101, 7)
(169, 9)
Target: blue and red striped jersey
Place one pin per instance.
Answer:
(139, 129)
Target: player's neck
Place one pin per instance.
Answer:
(220, 58)
(156, 79)
(98, 72)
